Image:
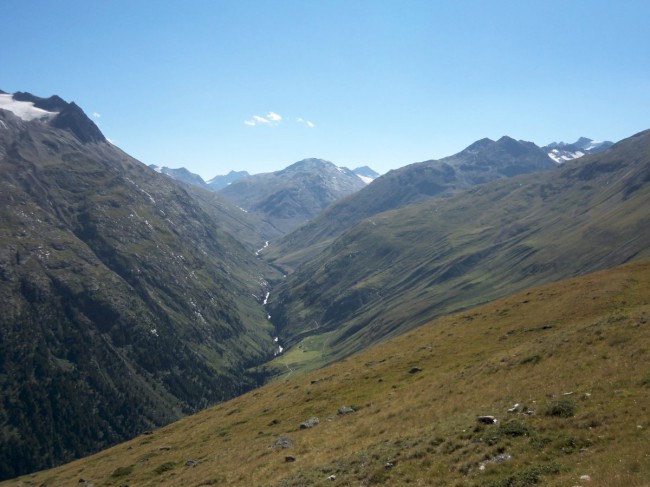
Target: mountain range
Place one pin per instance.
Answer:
(131, 296)
(395, 270)
(283, 199)
(288, 198)
(483, 161)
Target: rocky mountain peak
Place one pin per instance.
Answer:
(561, 152)
(54, 110)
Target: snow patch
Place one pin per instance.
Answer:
(365, 179)
(24, 109)
(280, 348)
(266, 244)
(266, 298)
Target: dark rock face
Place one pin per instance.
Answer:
(73, 118)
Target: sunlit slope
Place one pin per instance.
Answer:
(400, 269)
(483, 161)
(574, 355)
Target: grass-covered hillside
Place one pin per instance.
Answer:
(484, 160)
(569, 360)
(399, 269)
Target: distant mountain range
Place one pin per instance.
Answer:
(562, 152)
(390, 271)
(181, 174)
(365, 173)
(284, 199)
(288, 198)
(219, 182)
(483, 161)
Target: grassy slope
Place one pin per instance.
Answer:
(587, 337)
(483, 161)
(399, 269)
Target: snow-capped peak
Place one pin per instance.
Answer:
(561, 152)
(24, 109)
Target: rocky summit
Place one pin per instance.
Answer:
(294, 195)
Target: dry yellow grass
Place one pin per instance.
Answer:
(584, 341)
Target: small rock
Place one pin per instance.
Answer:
(585, 478)
(289, 458)
(514, 408)
(502, 457)
(310, 423)
(283, 442)
(415, 370)
(191, 463)
(390, 464)
(487, 419)
(346, 410)
(165, 448)
(331, 477)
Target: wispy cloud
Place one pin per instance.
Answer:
(272, 118)
(259, 119)
(96, 115)
(309, 123)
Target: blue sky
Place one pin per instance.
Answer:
(383, 83)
